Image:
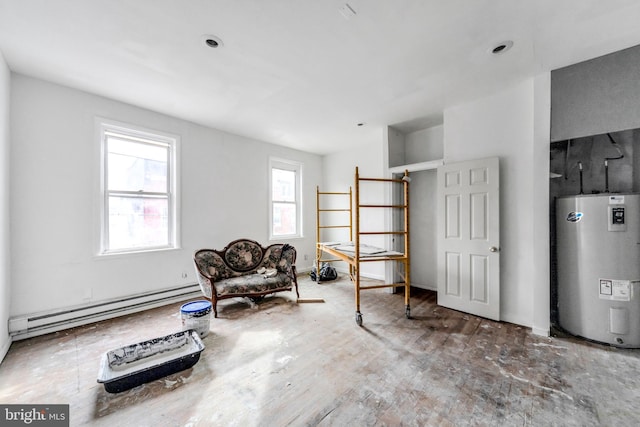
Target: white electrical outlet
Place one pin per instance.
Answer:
(185, 275)
(306, 257)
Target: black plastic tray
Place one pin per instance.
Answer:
(130, 366)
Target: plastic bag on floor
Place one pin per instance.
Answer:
(327, 273)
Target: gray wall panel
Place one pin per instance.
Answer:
(596, 96)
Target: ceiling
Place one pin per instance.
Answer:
(305, 73)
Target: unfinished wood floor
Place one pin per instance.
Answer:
(281, 363)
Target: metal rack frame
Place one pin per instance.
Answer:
(353, 259)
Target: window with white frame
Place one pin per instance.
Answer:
(139, 201)
(286, 204)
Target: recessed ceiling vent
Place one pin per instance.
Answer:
(212, 41)
(502, 47)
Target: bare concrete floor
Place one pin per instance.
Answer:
(280, 363)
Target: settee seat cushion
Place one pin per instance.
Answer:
(252, 283)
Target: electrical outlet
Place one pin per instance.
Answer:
(306, 257)
(185, 275)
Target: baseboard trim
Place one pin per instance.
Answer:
(423, 286)
(540, 331)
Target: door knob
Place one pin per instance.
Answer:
(493, 249)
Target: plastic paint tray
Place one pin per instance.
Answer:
(133, 365)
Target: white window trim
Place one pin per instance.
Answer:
(279, 163)
(103, 125)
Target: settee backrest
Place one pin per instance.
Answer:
(243, 256)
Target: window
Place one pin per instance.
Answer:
(138, 190)
(285, 214)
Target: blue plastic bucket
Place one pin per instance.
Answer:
(196, 315)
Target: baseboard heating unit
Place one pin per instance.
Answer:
(31, 325)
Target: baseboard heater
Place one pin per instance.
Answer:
(27, 326)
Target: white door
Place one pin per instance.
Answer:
(469, 237)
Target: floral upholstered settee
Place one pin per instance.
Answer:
(245, 269)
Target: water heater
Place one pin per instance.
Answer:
(598, 267)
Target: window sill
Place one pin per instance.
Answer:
(123, 254)
(278, 238)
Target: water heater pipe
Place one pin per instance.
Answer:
(606, 162)
(580, 167)
(566, 160)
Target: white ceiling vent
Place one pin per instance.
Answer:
(212, 41)
(502, 47)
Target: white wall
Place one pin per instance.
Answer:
(339, 173)
(424, 227)
(396, 151)
(5, 249)
(502, 125)
(424, 145)
(420, 146)
(541, 321)
(54, 182)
